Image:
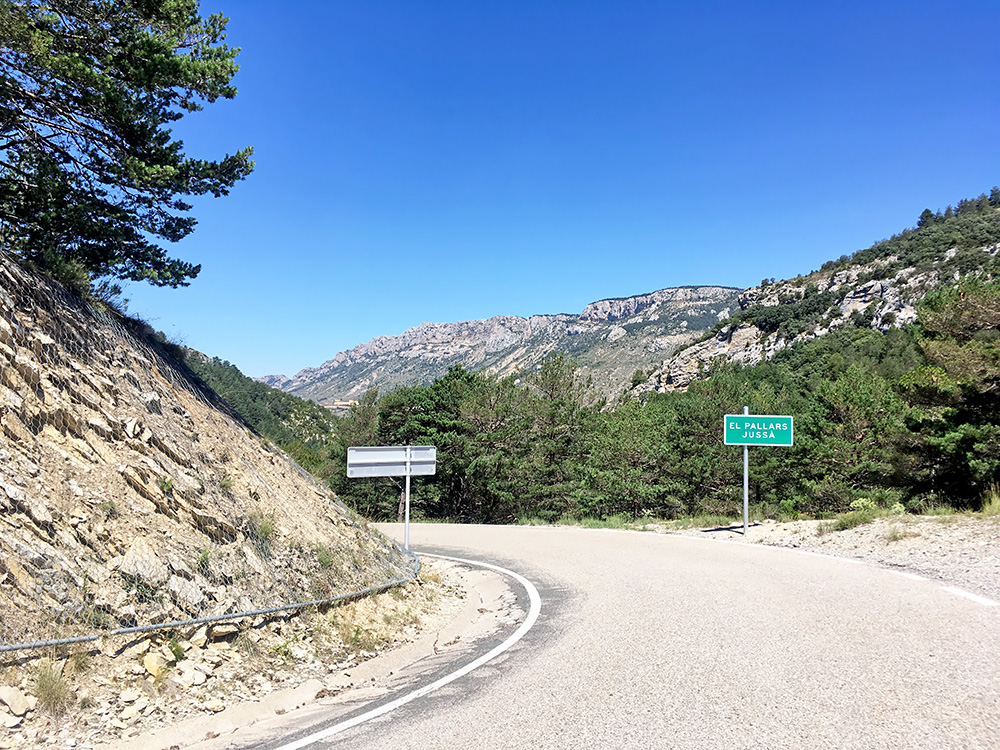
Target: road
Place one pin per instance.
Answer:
(651, 641)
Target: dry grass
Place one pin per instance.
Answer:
(376, 622)
(51, 687)
(991, 501)
(897, 533)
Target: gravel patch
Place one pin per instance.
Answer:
(961, 551)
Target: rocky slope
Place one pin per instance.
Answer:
(775, 316)
(130, 494)
(610, 340)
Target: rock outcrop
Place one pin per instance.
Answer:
(857, 295)
(130, 494)
(609, 340)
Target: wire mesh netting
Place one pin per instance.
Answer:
(131, 496)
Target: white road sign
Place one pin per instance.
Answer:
(391, 461)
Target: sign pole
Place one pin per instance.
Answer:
(393, 461)
(746, 430)
(406, 526)
(746, 480)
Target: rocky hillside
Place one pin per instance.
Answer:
(130, 494)
(610, 340)
(878, 287)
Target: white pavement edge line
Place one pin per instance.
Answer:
(741, 543)
(904, 574)
(529, 621)
(973, 597)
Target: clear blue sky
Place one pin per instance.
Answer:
(435, 160)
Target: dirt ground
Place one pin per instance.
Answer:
(959, 550)
(197, 686)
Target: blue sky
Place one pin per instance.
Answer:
(435, 160)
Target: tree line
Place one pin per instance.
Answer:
(909, 418)
(906, 418)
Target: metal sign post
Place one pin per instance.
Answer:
(746, 430)
(393, 461)
(406, 522)
(746, 481)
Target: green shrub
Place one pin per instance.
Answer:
(854, 519)
(260, 531)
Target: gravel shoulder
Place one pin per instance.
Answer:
(962, 551)
(235, 686)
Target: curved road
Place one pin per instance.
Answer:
(650, 641)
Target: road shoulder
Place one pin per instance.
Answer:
(485, 607)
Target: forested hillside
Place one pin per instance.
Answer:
(890, 415)
(887, 413)
(878, 287)
(301, 428)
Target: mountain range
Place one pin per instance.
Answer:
(609, 340)
(663, 340)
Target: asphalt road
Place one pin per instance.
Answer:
(648, 641)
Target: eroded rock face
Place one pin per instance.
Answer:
(130, 494)
(609, 340)
(884, 302)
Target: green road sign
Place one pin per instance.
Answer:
(753, 429)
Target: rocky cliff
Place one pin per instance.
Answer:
(130, 494)
(773, 317)
(610, 340)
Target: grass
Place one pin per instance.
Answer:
(939, 510)
(80, 660)
(362, 639)
(261, 530)
(897, 533)
(855, 518)
(324, 556)
(991, 501)
(51, 687)
(143, 591)
(863, 511)
(202, 563)
(618, 521)
(97, 618)
(703, 521)
(246, 645)
(427, 575)
(176, 649)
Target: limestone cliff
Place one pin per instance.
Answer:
(610, 340)
(773, 317)
(131, 494)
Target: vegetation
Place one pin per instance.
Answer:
(91, 176)
(886, 422)
(301, 428)
(51, 687)
(947, 243)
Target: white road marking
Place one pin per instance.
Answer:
(533, 610)
(904, 574)
(973, 597)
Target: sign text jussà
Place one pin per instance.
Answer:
(753, 429)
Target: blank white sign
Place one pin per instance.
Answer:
(390, 461)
